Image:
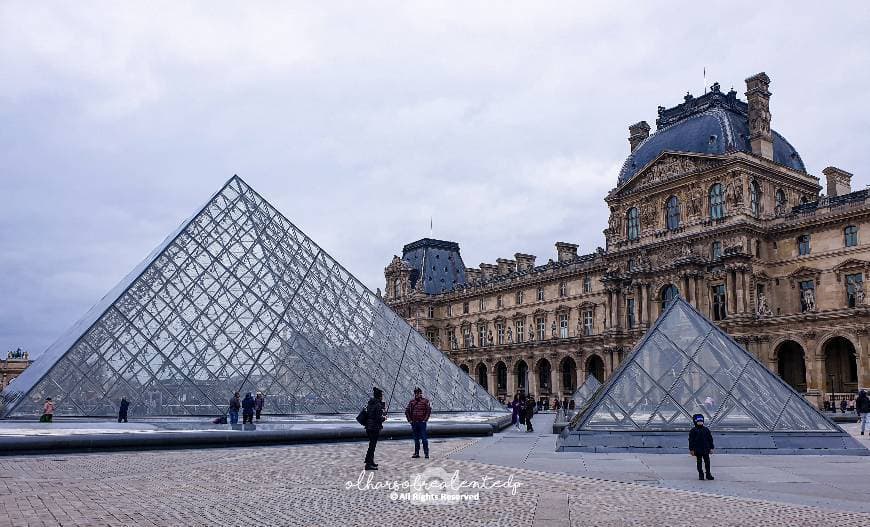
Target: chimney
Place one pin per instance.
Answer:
(566, 251)
(472, 275)
(839, 181)
(488, 270)
(758, 97)
(506, 266)
(637, 133)
(525, 262)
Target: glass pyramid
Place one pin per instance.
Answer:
(239, 299)
(686, 365)
(585, 393)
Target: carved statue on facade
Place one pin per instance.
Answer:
(531, 333)
(809, 298)
(693, 201)
(510, 336)
(762, 309)
(615, 222)
(859, 295)
(643, 261)
(489, 338)
(647, 214)
(734, 191)
(553, 329)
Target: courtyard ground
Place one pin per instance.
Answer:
(319, 485)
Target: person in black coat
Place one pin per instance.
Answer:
(862, 406)
(530, 412)
(248, 409)
(122, 410)
(375, 417)
(701, 445)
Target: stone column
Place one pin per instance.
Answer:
(533, 379)
(741, 291)
(607, 309)
(556, 382)
(729, 296)
(698, 296)
(511, 386)
(863, 360)
(638, 305)
(646, 302)
(491, 380)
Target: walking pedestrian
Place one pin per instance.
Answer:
(235, 406)
(530, 412)
(862, 406)
(556, 406)
(374, 423)
(47, 411)
(701, 446)
(248, 409)
(516, 408)
(259, 400)
(122, 410)
(417, 412)
(843, 405)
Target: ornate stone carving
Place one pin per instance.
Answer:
(615, 222)
(809, 299)
(762, 310)
(734, 191)
(672, 166)
(694, 201)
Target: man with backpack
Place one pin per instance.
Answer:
(374, 421)
(417, 413)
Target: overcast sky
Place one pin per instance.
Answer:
(506, 123)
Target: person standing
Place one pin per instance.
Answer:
(843, 405)
(248, 409)
(516, 408)
(374, 423)
(701, 446)
(530, 412)
(235, 406)
(259, 400)
(417, 413)
(862, 406)
(556, 407)
(122, 410)
(47, 411)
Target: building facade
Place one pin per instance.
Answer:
(11, 367)
(716, 207)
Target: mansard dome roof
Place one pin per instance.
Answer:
(715, 123)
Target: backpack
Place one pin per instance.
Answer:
(363, 416)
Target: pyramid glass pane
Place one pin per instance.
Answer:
(239, 299)
(685, 365)
(585, 392)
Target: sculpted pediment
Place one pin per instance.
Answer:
(668, 166)
(850, 266)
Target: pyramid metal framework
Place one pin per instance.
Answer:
(239, 299)
(686, 365)
(585, 393)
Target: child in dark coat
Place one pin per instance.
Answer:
(701, 445)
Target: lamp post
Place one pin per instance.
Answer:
(833, 404)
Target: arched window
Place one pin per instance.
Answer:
(780, 200)
(669, 292)
(673, 213)
(397, 289)
(717, 202)
(754, 198)
(850, 236)
(632, 224)
(482, 376)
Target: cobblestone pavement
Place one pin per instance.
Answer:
(307, 485)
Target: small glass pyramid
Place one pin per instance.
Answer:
(239, 299)
(686, 365)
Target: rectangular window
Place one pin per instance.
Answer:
(542, 328)
(563, 289)
(482, 303)
(563, 325)
(431, 311)
(449, 310)
(465, 308)
(718, 292)
(854, 289)
(520, 326)
(587, 284)
(482, 339)
(499, 333)
(587, 322)
(803, 244)
(519, 297)
(432, 336)
(540, 294)
(629, 312)
(808, 295)
(499, 302)
(850, 236)
(467, 339)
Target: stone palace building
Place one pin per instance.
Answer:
(714, 206)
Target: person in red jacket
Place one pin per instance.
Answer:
(417, 413)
